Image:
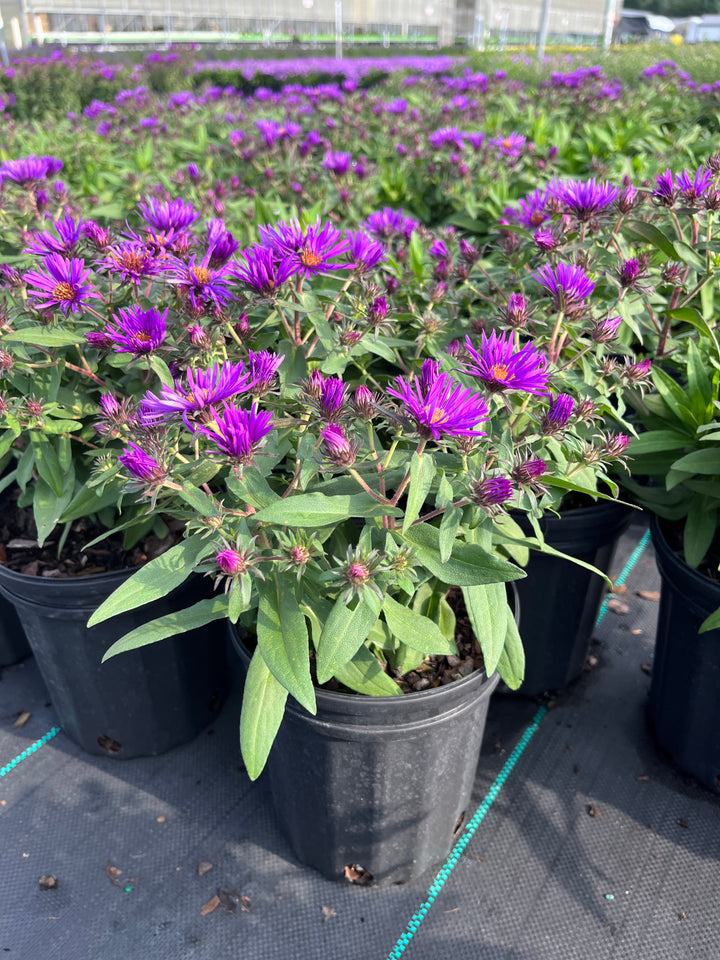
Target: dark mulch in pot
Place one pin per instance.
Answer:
(19, 550)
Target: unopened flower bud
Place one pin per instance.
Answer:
(491, 493)
(614, 446)
(363, 403)
(231, 562)
(604, 331)
(336, 446)
(557, 415)
(528, 472)
(628, 199)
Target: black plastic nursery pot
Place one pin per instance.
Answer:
(684, 705)
(139, 703)
(560, 600)
(378, 783)
(13, 642)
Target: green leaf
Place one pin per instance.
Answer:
(422, 472)
(169, 625)
(283, 638)
(365, 675)
(469, 564)
(657, 440)
(318, 510)
(449, 526)
(263, 707)
(48, 507)
(699, 461)
(61, 426)
(699, 531)
(710, 623)
(640, 230)
(511, 665)
(692, 316)
(417, 258)
(44, 337)
(417, 632)
(343, 632)
(154, 580)
(47, 463)
(487, 608)
(199, 501)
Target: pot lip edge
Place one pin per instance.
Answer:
(667, 551)
(337, 696)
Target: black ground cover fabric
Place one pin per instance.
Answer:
(542, 878)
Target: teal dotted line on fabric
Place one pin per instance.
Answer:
(31, 749)
(627, 569)
(451, 862)
(457, 851)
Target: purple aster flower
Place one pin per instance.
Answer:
(141, 466)
(238, 433)
(429, 372)
(63, 286)
(587, 199)
(308, 249)
(221, 244)
(133, 261)
(510, 145)
(262, 272)
(664, 192)
(491, 493)
(444, 408)
(533, 209)
(332, 400)
(438, 250)
(203, 389)
(137, 331)
(27, 171)
(68, 235)
(557, 415)
(166, 215)
(338, 162)
(692, 187)
(385, 223)
(263, 367)
(203, 286)
(604, 331)
(363, 253)
(500, 368)
(636, 372)
(336, 446)
(567, 285)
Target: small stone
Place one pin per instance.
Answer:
(160, 819)
(48, 883)
(212, 904)
(646, 668)
(618, 588)
(593, 811)
(22, 719)
(204, 867)
(328, 912)
(643, 778)
(649, 595)
(682, 822)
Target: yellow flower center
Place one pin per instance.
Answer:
(201, 274)
(63, 291)
(131, 260)
(499, 371)
(436, 415)
(507, 143)
(310, 259)
(143, 336)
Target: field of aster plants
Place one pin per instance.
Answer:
(336, 320)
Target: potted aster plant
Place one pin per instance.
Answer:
(79, 331)
(357, 529)
(675, 466)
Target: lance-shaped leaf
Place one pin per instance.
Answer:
(511, 665)
(156, 579)
(488, 611)
(415, 631)
(365, 675)
(283, 638)
(469, 564)
(318, 510)
(263, 707)
(422, 472)
(345, 629)
(180, 621)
